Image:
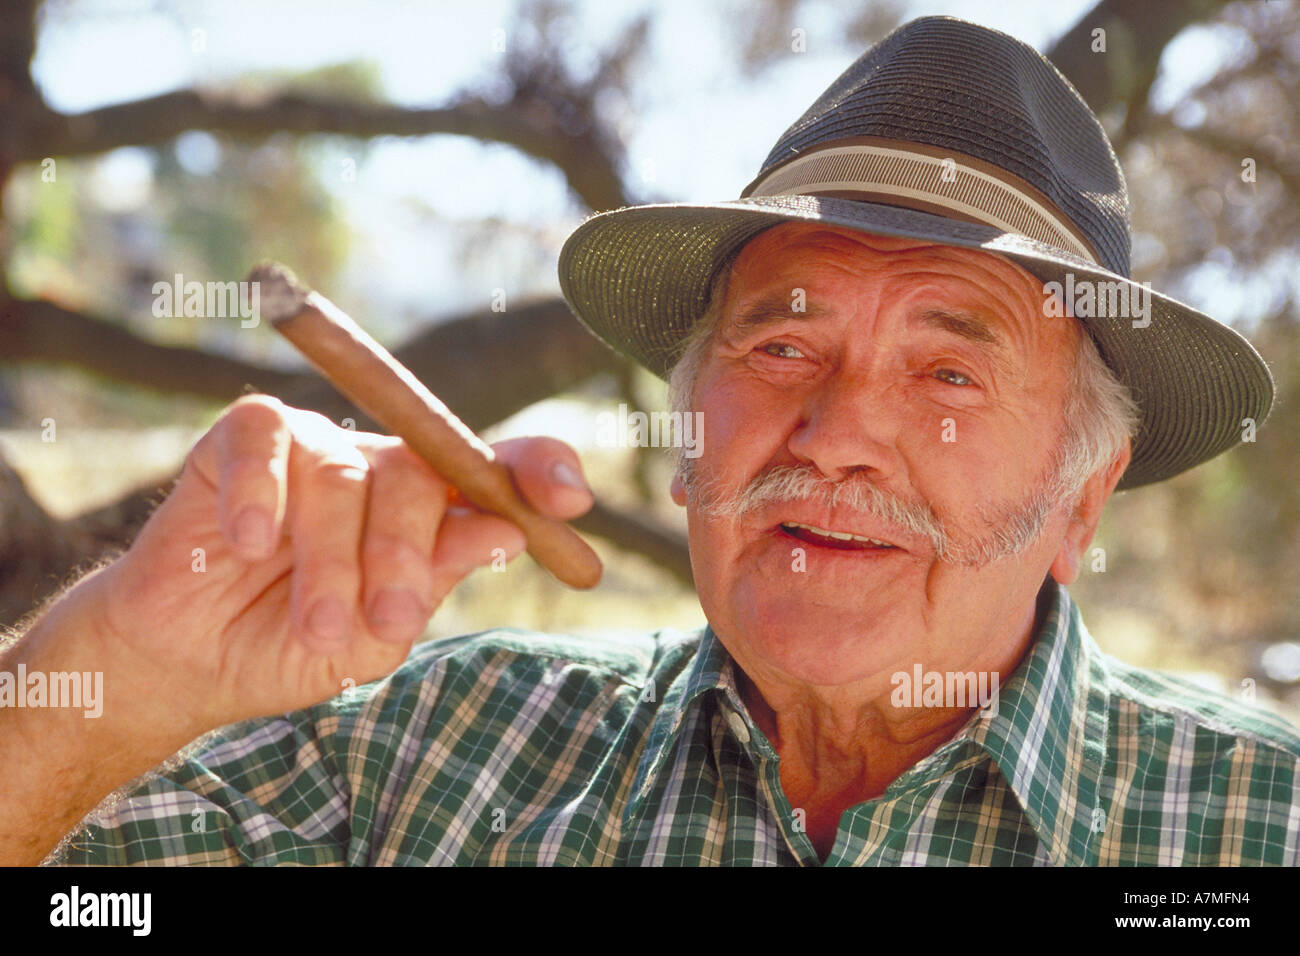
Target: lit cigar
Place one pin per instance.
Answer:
(366, 373)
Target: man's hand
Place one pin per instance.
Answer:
(291, 558)
(294, 555)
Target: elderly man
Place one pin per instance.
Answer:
(923, 370)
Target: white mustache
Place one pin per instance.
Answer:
(1012, 531)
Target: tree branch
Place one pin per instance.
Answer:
(35, 330)
(1136, 36)
(486, 366)
(524, 123)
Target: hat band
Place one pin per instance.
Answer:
(936, 184)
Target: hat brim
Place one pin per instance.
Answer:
(639, 278)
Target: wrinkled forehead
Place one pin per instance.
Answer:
(970, 293)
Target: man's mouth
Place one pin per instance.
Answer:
(843, 540)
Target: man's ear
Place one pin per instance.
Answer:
(1083, 523)
(677, 489)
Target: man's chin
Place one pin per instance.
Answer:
(819, 645)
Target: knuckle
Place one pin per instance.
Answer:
(374, 444)
(316, 421)
(340, 474)
(324, 571)
(248, 470)
(314, 427)
(388, 551)
(315, 434)
(406, 467)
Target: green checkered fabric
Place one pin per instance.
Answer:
(511, 747)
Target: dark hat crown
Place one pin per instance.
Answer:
(955, 86)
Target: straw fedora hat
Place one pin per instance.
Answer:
(949, 132)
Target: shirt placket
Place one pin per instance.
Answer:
(869, 832)
(767, 766)
(855, 841)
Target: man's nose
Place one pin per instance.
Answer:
(850, 423)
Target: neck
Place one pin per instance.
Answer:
(838, 750)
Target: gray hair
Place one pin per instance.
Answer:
(1100, 415)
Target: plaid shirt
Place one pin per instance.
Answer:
(510, 747)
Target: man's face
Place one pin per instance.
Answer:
(920, 378)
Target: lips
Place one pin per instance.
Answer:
(832, 538)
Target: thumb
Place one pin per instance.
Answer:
(548, 474)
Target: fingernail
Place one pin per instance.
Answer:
(396, 606)
(565, 474)
(327, 619)
(252, 528)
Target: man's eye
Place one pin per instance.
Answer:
(782, 350)
(952, 377)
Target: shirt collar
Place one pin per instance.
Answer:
(711, 670)
(1047, 736)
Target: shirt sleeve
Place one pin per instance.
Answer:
(262, 792)
(398, 772)
(265, 792)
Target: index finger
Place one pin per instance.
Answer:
(251, 451)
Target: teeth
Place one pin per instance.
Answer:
(841, 535)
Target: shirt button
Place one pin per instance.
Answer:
(737, 725)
